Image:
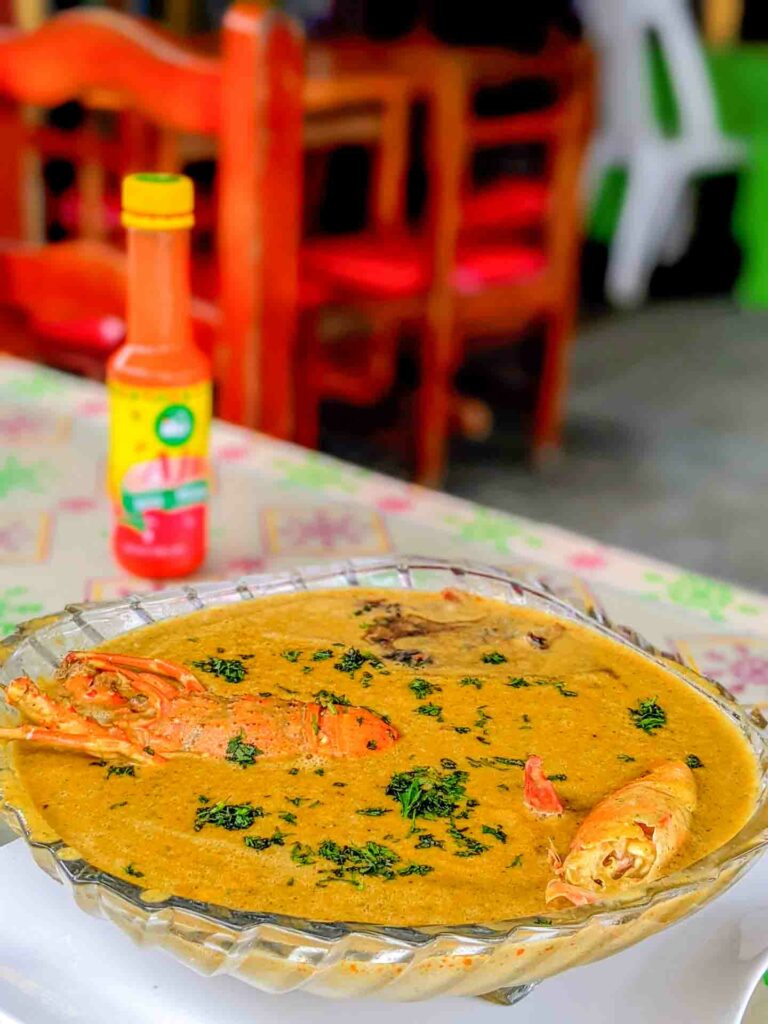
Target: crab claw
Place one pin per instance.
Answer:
(539, 794)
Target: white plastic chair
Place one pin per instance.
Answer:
(656, 219)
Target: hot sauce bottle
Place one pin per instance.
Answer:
(159, 387)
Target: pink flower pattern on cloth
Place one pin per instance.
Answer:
(736, 667)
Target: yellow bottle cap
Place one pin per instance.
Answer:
(158, 202)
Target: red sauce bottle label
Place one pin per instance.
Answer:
(159, 476)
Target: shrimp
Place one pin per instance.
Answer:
(629, 837)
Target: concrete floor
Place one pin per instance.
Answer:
(666, 442)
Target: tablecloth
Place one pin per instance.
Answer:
(276, 505)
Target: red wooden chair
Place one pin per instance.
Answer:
(496, 260)
(249, 99)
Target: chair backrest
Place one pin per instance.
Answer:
(249, 99)
(624, 32)
(561, 129)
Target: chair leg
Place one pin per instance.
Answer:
(307, 384)
(434, 401)
(553, 385)
(681, 227)
(653, 195)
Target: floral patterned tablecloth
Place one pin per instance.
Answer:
(276, 505)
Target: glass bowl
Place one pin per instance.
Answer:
(499, 959)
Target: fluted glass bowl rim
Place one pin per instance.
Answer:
(32, 640)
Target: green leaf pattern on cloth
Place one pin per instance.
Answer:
(699, 593)
(492, 528)
(319, 473)
(18, 476)
(38, 383)
(14, 608)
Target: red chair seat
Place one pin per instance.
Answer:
(509, 203)
(205, 285)
(399, 268)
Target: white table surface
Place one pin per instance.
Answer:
(59, 965)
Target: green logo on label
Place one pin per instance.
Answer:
(175, 424)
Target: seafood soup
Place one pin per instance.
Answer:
(377, 756)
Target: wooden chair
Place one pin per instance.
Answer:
(249, 99)
(480, 268)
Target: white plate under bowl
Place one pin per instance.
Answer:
(60, 966)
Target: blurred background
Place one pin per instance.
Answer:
(519, 252)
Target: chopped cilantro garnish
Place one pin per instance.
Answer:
(494, 658)
(648, 716)
(372, 745)
(426, 840)
(461, 729)
(264, 842)
(625, 757)
(510, 762)
(231, 670)
(500, 763)
(471, 681)
(328, 699)
(448, 764)
(430, 710)
(558, 778)
(242, 753)
(288, 817)
(350, 661)
(416, 869)
(421, 688)
(323, 655)
(291, 654)
(694, 762)
(370, 859)
(367, 607)
(302, 853)
(293, 771)
(374, 812)
(120, 770)
(129, 869)
(497, 832)
(468, 846)
(516, 862)
(483, 718)
(229, 816)
(518, 682)
(426, 793)
(561, 689)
